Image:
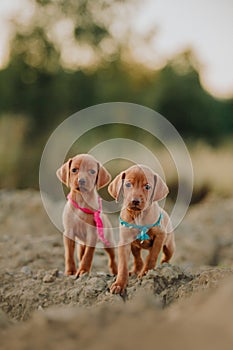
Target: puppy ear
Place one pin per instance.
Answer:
(116, 186)
(63, 173)
(103, 177)
(160, 188)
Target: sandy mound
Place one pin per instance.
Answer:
(205, 236)
(186, 304)
(202, 322)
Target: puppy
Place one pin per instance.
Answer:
(81, 216)
(143, 224)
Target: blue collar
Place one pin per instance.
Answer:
(143, 228)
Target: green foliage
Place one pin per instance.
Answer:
(39, 85)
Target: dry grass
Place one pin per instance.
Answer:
(213, 166)
(12, 136)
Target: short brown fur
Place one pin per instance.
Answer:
(140, 189)
(83, 175)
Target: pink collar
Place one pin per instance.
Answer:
(97, 218)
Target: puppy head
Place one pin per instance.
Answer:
(139, 186)
(82, 173)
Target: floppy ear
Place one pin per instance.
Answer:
(63, 173)
(103, 177)
(160, 188)
(116, 186)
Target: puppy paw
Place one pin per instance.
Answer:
(165, 261)
(142, 273)
(81, 272)
(134, 273)
(70, 271)
(117, 288)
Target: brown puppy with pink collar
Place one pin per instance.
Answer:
(143, 223)
(82, 216)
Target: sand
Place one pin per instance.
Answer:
(185, 305)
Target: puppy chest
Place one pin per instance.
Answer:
(77, 220)
(153, 234)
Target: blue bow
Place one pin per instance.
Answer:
(143, 234)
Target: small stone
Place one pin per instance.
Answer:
(48, 278)
(54, 272)
(26, 270)
(101, 273)
(60, 274)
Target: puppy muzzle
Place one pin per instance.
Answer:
(82, 185)
(135, 204)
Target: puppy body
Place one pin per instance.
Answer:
(83, 175)
(141, 189)
(78, 224)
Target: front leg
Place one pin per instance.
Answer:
(80, 251)
(112, 261)
(138, 262)
(69, 246)
(119, 286)
(153, 253)
(86, 262)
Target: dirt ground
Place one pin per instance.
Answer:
(185, 305)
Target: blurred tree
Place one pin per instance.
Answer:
(73, 54)
(66, 58)
(54, 57)
(185, 103)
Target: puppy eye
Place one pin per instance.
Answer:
(128, 184)
(74, 170)
(147, 187)
(92, 171)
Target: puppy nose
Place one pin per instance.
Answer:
(136, 201)
(82, 182)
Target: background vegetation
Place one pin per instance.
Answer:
(73, 54)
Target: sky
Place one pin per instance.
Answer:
(206, 26)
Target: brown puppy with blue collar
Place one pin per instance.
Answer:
(143, 223)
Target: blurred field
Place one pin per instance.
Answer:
(212, 165)
(213, 168)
